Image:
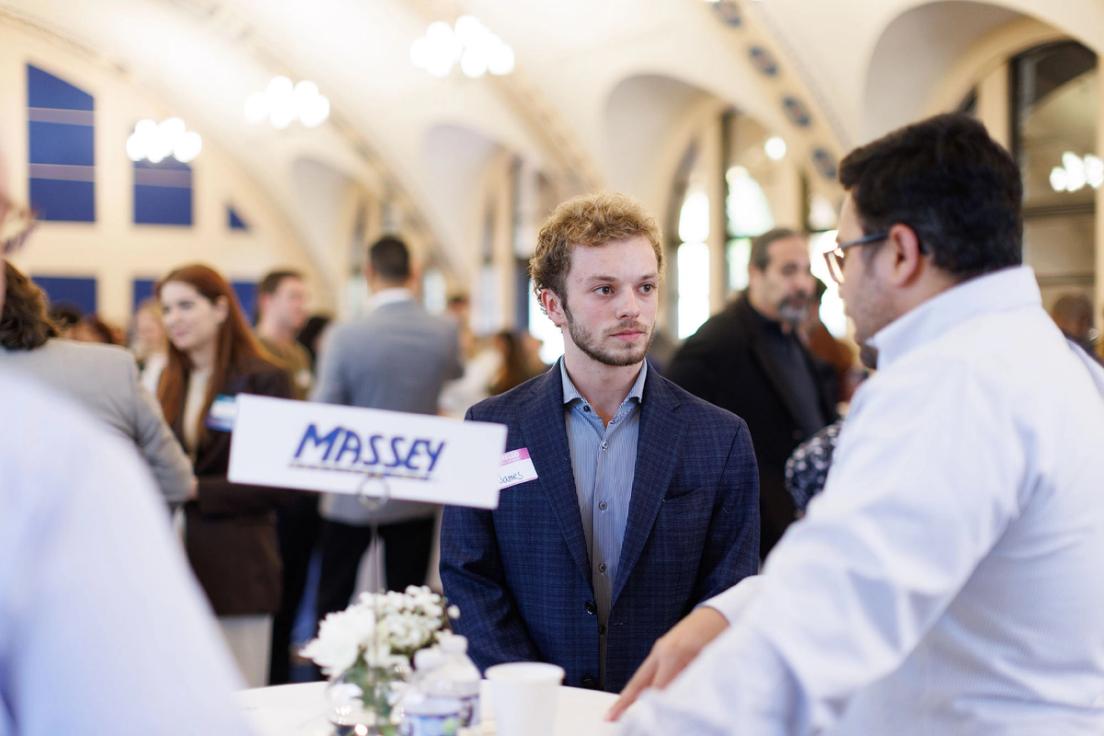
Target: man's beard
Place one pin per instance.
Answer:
(793, 309)
(591, 347)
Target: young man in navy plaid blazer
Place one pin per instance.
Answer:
(642, 501)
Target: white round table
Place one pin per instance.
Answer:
(300, 710)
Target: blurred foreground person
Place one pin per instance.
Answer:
(102, 378)
(230, 529)
(102, 629)
(948, 579)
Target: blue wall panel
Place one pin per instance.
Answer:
(77, 291)
(141, 289)
(234, 220)
(67, 194)
(162, 205)
(58, 143)
(46, 90)
(57, 199)
(247, 296)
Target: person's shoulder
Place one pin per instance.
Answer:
(88, 352)
(29, 442)
(700, 413)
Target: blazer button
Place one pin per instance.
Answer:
(590, 608)
(589, 681)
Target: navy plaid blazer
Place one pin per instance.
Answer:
(520, 573)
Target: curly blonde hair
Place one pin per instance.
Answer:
(591, 221)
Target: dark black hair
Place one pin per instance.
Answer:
(390, 258)
(760, 246)
(956, 187)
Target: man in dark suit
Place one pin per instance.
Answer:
(396, 357)
(643, 503)
(749, 360)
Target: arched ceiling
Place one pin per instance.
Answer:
(397, 130)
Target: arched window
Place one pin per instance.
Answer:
(693, 261)
(748, 214)
(1055, 112)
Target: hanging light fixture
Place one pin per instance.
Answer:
(283, 103)
(1077, 171)
(470, 44)
(154, 142)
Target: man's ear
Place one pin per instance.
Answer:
(553, 306)
(908, 257)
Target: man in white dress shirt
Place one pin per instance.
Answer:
(948, 579)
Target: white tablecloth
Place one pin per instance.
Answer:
(300, 710)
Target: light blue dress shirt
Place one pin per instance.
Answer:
(603, 462)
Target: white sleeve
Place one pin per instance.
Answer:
(732, 602)
(926, 478)
(102, 626)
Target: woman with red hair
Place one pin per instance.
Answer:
(230, 529)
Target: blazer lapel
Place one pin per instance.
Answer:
(656, 456)
(543, 428)
(766, 362)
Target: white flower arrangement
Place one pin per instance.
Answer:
(381, 630)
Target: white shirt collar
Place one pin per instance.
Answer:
(389, 296)
(1009, 288)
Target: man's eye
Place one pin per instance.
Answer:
(648, 288)
(606, 290)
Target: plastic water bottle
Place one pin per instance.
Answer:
(462, 677)
(429, 709)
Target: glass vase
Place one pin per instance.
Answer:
(363, 699)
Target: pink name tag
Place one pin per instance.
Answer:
(516, 468)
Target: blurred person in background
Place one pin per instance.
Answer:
(396, 357)
(281, 312)
(516, 363)
(104, 379)
(230, 529)
(749, 359)
(65, 316)
(1073, 313)
(829, 349)
(147, 341)
(313, 336)
(93, 329)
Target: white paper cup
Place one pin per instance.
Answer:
(523, 697)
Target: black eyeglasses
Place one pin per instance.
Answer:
(835, 256)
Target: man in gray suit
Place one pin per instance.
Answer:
(395, 358)
(102, 378)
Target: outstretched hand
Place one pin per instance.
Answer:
(670, 655)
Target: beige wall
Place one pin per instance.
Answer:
(113, 249)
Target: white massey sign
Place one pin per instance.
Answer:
(323, 447)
